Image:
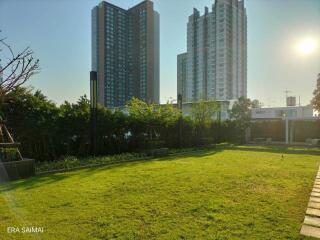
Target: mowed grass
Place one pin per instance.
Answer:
(231, 193)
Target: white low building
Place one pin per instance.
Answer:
(297, 112)
(289, 115)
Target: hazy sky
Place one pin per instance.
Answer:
(59, 32)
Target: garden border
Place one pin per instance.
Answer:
(62, 170)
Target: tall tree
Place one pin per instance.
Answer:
(316, 96)
(151, 120)
(241, 113)
(202, 114)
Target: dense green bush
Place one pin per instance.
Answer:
(47, 131)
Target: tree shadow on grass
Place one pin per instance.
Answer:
(32, 182)
(199, 154)
(38, 181)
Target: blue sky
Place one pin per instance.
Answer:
(59, 32)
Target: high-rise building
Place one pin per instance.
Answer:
(217, 52)
(182, 75)
(125, 53)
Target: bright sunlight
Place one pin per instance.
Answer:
(307, 46)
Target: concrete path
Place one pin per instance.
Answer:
(311, 223)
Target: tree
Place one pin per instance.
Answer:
(316, 96)
(241, 113)
(256, 103)
(73, 125)
(150, 121)
(32, 119)
(170, 117)
(17, 70)
(202, 113)
(145, 117)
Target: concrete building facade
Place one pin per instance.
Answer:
(182, 75)
(217, 52)
(125, 53)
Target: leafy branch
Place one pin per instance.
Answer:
(17, 70)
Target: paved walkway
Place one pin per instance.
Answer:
(311, 224)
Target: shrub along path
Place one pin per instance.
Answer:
(232, 193)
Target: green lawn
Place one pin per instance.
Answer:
(235, 193)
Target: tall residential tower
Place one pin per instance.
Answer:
(216, 66)
(182, 75)
(125, 53)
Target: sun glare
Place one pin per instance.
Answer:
(306, 46)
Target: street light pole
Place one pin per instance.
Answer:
(180, 119)
(93, 111)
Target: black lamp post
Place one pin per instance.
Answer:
(180, 120)
(93, 111)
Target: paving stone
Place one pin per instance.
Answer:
(314, 205)
(315, 194)
(315, 199)
(313, 212)
(313, 221)
(310, 231)
(311, 224)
